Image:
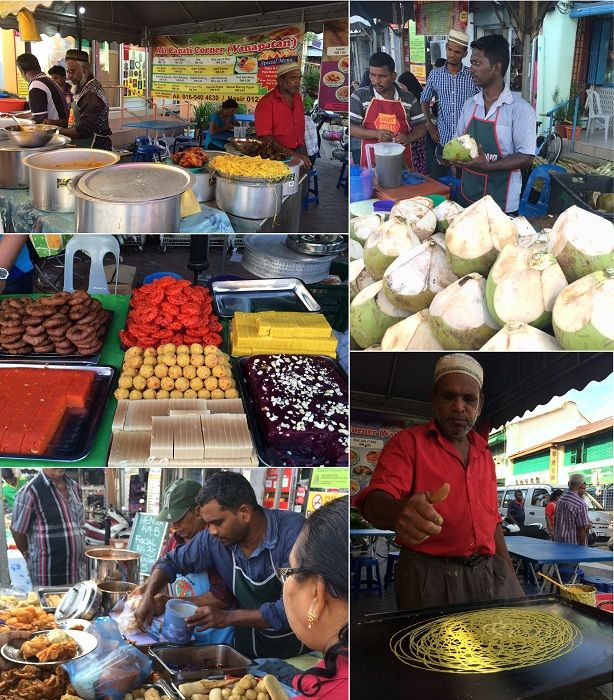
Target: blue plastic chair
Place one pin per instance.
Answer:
(308, 199)
(539, 208)
(147, 153)
(372, 582)
(179, 140)
(186, 144)
(393, 558)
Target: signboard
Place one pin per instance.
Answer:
(334, 93)
(329, 478)
(437, 18)
(154, 478)
(417, 53)
(319, 498)
(147, 538)
(213, 67)
(133, 69)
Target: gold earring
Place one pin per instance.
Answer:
(311, 618)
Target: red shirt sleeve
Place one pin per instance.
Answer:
(394, 472)
(263, 116)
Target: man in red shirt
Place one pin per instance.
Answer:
(280, 115)
(435, 485)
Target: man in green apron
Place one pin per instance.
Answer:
(88, 122)
(247, 545)
(503, 125)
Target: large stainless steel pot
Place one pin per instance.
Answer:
(113, 592)
(109, 564)
(204, 186)
(249, 199)
(132, 198)
(13, 173)
(50, 174)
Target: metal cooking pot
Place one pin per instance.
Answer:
(127, 199)
(107, 564)
(50, 174)
(13, 173)
(248, 199)
(204, 186)
(292, 182)
(113, 592)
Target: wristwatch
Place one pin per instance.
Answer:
(4, 273)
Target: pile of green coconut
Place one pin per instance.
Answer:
(448, 278)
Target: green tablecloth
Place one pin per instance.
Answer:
(112, 355)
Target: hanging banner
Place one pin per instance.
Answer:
(334, 93)
(437, 18)
(319, 498)
(417, 53)
(213, 67)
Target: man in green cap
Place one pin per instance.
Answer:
(180, 510)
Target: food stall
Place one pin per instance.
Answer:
(169, 374)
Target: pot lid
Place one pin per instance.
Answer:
(81, 601)
(135, 182)
(317, 245)
(58, 141)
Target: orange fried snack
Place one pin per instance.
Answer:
(32, 648)
(59, 651)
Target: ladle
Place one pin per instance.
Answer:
(556, 583)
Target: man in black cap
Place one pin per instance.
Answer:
(45, 97)
(88, 122)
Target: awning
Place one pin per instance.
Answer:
(592, 9)
(383, 11)
(513, 382)
(130, 22)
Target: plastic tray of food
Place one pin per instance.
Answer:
(51, 597)
(268, 455)
(74, 437)
(189, 663)
(283, 294)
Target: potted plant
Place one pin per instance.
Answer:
(559, 115)
(202, 114)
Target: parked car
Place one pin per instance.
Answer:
(536, 497)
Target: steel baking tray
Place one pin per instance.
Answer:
(586, 666)
(74, 437)
(282, 294)
(267, 455)
(52, 358)
(50, 590)
(191, 663)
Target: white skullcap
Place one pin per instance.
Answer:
(461, 364)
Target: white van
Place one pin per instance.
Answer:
(535, 499)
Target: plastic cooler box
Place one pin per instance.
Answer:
(569, 189)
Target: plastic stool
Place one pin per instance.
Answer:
(181, 140)
(343, 177)
(539, 208)
(307, 200)
(567, 572)
(393, 557)
(603, 585)
(452, 182)
(96, 247)
(147, 153)
(372, 582)
(140, 141)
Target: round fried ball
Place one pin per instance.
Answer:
(196, 383)
(147, 371)
(224, 383)
(167, 383)
(183, 349)
(189, 372)
(196, 349)
(136, 362)
(151, 360)
(211, 383)
(125, 382)
(134, 351)
(204, 394)
(217, 394)
(121, 394)
(231, 394)
(210, 349)
(203, 372)
(210, 360)
(197, 360)
(170, 349)
(153, 383)
(220, 371)
(190, 394)
(135, 394)
(162, 394)
(149, 394)
(161, 370)
(183, 360)
(139, 382)
(174, 372)
(169, 359)
(182, 384)
(130, 372)
(150, 352)
(176, 394)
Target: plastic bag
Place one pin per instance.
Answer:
(113, 669)
(127, 621)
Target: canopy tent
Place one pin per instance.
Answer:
(400, 383)
(133, 22)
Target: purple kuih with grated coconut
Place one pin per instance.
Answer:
(301, 405)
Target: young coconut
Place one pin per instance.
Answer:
(354, 270)
(371, 314)
(582, 242)
(393, 238)
(414, 278)
(459, 317)
(356, 251)
(445, 213)
(477, 235)
(363, 226)
(419, 215)
(463, 148)
(523, 285)
(520, 337)
(582, 316)
(413, 333)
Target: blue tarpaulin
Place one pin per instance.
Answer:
(591, 9)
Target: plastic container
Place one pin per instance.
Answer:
(158, 275)
(174, 627)
(568, 189)
(383, 205)
(437, 199)
(389, 162)
(240, 132)
(11, 104)
(361, 183)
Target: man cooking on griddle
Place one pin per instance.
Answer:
(435, 485)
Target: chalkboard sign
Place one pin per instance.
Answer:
(146, 538)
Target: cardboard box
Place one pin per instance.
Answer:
(124, 279)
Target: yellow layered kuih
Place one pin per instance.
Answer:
(282, 332)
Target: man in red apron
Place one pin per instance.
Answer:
(503, 125)
(383, 112)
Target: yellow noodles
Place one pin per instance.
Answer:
(486, 641)
(247, 166)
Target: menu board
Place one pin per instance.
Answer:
(147, 537)
(437, 18)
(334, 91)
(213, 67)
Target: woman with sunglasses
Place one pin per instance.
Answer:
(316, 599)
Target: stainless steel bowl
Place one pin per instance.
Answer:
(31, 136)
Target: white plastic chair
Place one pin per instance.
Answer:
(96, 247)
(593, 101)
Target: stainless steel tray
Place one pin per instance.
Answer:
(74, 438)
(43, 592)
(282, 294)
(190, 663)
